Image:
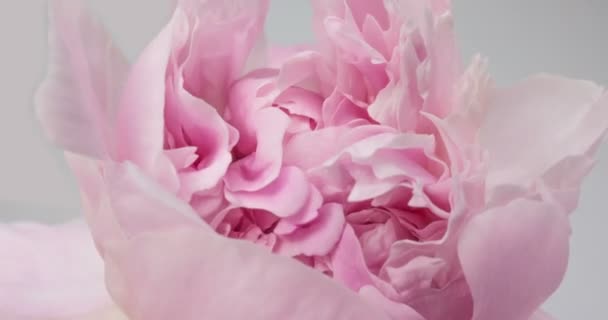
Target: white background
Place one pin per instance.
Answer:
(519, 37)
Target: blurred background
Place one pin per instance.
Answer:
(519, 37)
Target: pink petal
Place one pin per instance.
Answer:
(141, 137)
(120, 201)
(305, 216)
(311, 149)
(374, 34)
(319, 237)
(284, 197)
(339, 110)
(264, 165)
(297, 68)
(195, 181)
(383, 161)
(444, 67)
(192, 266)
(514, 257)
(189, 273)
(348, 264)
(397, 311)
(416, 273)
(351, 45)
(202, 127)
(565, 179)
(141, 204)
(557, 117)
(301, 102)
(399, 102)
(50, 273)
(451, 302)
(182, 158)
(77, 100)
(224, 35)
(248, 96)
(360, 9)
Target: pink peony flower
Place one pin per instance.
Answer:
(368, 176)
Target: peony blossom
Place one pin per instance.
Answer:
(370, 175)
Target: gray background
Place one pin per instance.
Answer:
(520, 37)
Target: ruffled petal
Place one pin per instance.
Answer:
(195, 123)
(317, 238)
(263, 166)
(224, 36)
(284, 197)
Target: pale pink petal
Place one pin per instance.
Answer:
(514, 257)
(398, 104)
(327, 8)
(141, 204)
(353, 48)
(50, 272)
(141, 138)
(311, 149)
(94, 199)
(444, 67)
(120, 201)
(472, 91)
(564, 180)
(103, 314)
(557, 117)
(76, 102)
(190, 273)
(297, 68)
(382, 162)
